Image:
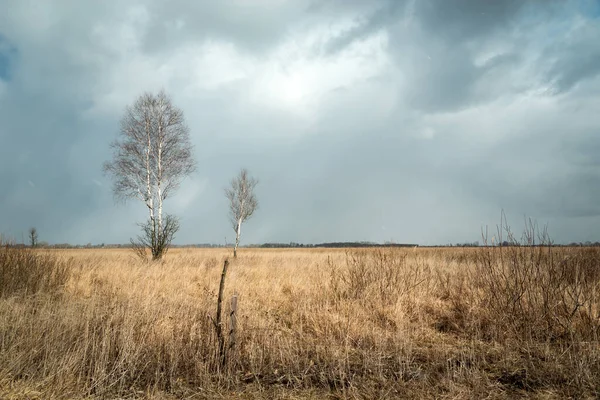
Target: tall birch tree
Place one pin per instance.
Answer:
(151, 156)
(242, 202)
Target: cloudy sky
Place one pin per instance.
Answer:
(411, 121)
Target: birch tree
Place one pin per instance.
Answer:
(151, 157)
(242, 202)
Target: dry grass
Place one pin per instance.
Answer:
(318, 323)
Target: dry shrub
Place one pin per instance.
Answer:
(24, 271)
(538, 303)
(381, 274)
(540, 292)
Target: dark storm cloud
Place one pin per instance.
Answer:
(451, 21)
(413, 121)
(461, 20)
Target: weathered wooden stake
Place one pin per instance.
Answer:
(233, 323)
(218, 323)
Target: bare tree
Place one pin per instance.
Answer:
(242, 202)
(33, 237)
(151, 157)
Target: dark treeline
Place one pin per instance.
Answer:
(334, 245)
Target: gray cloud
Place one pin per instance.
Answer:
(576, 58)
(8, 54)
(467, 20)
(414, 121)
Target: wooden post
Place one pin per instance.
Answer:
(218, 324)
(233, 323)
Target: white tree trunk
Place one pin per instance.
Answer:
(237, 237)
(149, 194)
(158, 183)
(160, 206)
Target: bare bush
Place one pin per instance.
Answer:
(537, 290)
(382, 274)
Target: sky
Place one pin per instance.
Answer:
(379, 120)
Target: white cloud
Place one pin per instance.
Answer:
(295, 78)
(427, 133)
(210, 65)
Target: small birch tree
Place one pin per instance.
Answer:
(33, 237)
(242, 202)
(151, 157)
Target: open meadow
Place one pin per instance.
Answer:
(311, 323)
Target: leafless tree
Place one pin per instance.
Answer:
(242, 202)
(33, 237)
(151, 157)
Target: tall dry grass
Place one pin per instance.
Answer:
(27, 273)
(318, 323)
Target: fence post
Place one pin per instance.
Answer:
(233, 323)
(218, 323)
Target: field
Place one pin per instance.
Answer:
(494, 323)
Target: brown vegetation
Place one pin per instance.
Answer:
(319, 323)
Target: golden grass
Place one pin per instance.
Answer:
(312, 323)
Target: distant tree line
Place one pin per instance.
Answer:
(46, 245)
(335, 245)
